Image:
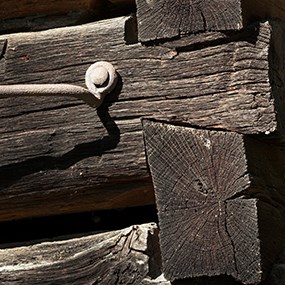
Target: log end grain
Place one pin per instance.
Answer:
(212, 220)
(168, 19)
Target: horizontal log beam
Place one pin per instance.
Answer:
(163, 19)
(11, 9)
(34, 15)
(220, 199)
(128, 256)
(60, 153)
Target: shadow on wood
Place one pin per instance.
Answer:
(49, 161)
(11, 173)
(33, 15)
(220, 280)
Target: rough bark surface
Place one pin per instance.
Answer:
(215, 193)
(61, 153)
(128, 256)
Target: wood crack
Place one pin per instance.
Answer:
(77, 151)
(228, 234)
(3, 49)
(88, 260)
(227, 214)
(45, 109)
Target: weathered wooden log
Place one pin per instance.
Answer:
(34, 15)
(43, 22)
(162, 19)
(221, 201)
(11, 9)
(128, 256)
(167, 19)
(62, 154)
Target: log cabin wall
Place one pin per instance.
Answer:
(203, 70)
(34, 15)
(23, 237)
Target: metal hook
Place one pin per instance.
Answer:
(100, 79)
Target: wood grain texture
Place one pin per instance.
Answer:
(218, 194)
(128, 256)
(34, 15)
(61, 153)
(162, 19)
(159, 19)
(44, 22)
(12, 9)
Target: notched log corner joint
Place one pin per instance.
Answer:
(225, 84)
(220, 199)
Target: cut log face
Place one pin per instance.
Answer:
(62, 153)
(166, 19)
(128, 256)
(162, 19)
(211, 215)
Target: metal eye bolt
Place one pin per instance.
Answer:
(100, 79)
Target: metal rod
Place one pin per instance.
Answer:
(100, 79)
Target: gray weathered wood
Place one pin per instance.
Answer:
(220, 199)
(163, 19)
(61, 153)
(159, 19)
(128, 256)
(42, 22)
